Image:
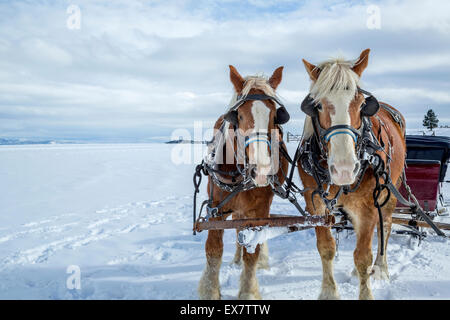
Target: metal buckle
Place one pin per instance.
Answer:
(211, 212)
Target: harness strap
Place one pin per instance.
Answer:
(341, 129)
(335, 133)
(415, 207)
(242, 99)
(258, 137)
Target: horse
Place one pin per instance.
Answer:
(337, 111)
(252, 115)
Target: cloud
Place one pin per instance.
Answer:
(140, 68)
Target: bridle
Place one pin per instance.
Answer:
(314, 155)
(368, 109)
(243, 173)
(282, 115)
(241, 179)
(258, 137)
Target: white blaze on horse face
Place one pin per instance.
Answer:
(342, 160)
(259, 152)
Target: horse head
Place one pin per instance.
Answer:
(336, 107)
(254, 119)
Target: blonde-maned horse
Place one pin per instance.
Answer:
(256, 118)
(335, 89)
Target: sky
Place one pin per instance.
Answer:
(138, 70)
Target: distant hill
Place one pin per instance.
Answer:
(186, 141)
(16, 141)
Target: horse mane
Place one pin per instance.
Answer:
(259, 82)
(335, 75)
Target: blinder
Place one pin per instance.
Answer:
(309, 106)
(232, 117)
(282, 115)
(371, 104)
(369, 108)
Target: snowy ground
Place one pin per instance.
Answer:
(122, 213)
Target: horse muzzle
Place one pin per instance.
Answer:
(344, 173)
(261, 175)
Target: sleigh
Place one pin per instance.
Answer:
(427, 161)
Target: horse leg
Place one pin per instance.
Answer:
(249, 289)
(238, 253)
(263, 260)
(380, 268)
(209, 286)
(363, 255)
(326, 246)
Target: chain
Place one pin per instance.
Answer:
(338, 231)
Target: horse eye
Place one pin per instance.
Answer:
(240, 118)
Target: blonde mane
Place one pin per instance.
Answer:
(259, 82)
(335, 75)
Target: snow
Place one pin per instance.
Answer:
(250, 238)
(122, 213)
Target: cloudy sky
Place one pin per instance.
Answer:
(141, 69)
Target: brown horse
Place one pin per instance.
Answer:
(254, 119)
(340, 105)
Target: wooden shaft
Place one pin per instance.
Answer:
(415, 223)
(273, 221)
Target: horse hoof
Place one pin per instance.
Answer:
(329, 296)
(367, 296)
(249, 296)
(207, 291)
(209, 295)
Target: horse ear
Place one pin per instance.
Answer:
(276, 77)
(362, 62)
(312, 70)
(236, 79)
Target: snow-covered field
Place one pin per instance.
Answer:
(122, 213)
